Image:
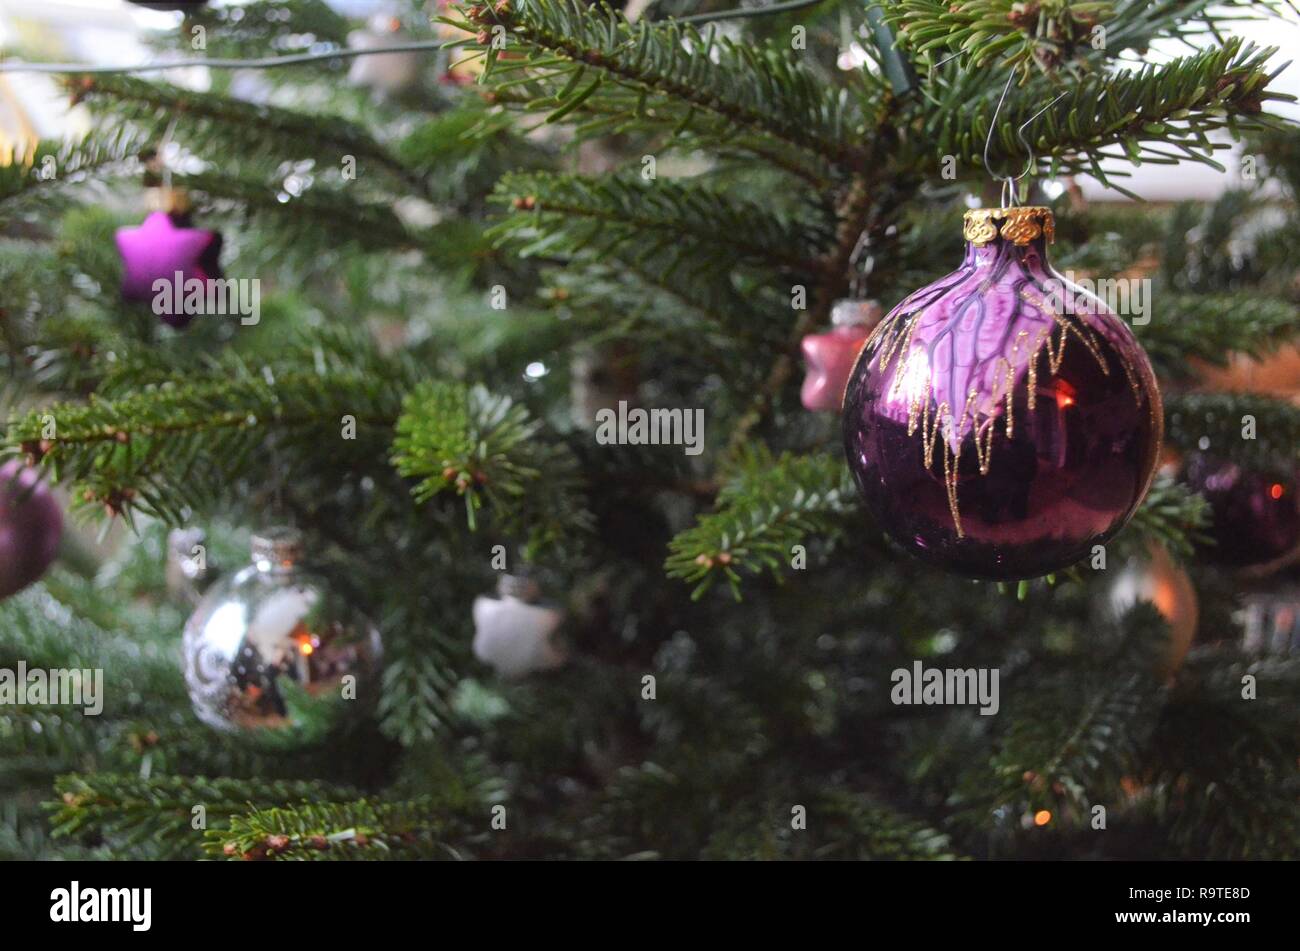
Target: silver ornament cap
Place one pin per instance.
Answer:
(276, 549)
(856, 312)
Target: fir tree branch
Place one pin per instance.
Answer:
(768, 506)
(597, 217)
(1174, 516)
(131, 811)
(664, 76)
(1216, 423)
(221, 124)
(1051, 36)
(981, 31)
(1220, 770)
(844, 825)
(318, 217)
(1176, 104)
(364, 829)
(53, 167)
(1072, 732)
(488, 450)
(173, 445)
(415, 701)
(1210, 327)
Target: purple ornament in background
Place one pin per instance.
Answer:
(158, 249)
(1255, 514)
(31, 524)
(1002, 421)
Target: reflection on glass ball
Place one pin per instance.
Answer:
(273, 653)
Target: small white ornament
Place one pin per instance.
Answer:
(512, 633)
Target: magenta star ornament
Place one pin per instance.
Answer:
(830, 356)
(160, 250)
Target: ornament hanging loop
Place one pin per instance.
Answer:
(1010, 192)
(861, 264)
(164, 197)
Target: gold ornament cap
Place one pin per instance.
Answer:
(1019, 225)
(171, 201)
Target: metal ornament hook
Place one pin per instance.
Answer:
(862, 264)
(1010, 192)
(166, 140)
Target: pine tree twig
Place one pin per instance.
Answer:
(1254, 430)
(162, 450)
(219, 121)
(757, 89)
(570, 215)
(170, 811)
(1175, 104)
(1210, 327)
(1174, 516)
(486, 449)
(766, 508)
(335, 831)
(51, 167)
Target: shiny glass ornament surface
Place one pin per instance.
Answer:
(830, 356)
(513, 633)
(273, 653)
(1255, 514)
(31, 525)
(1002, 421)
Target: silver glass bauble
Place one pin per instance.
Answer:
(273, 653)
(1158, 579)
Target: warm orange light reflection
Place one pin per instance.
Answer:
(305, 648)
(1042, 817)
(1064, 395)
(1275, 490)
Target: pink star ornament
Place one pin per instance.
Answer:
(830, 356)
(159, 250)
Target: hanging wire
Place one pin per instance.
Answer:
(165, 165)
(862, 264)
(267, 62)
(1010, 184)
(294, 59)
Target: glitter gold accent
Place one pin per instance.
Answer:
(1019, 225)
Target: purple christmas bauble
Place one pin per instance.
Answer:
(1002, 421)
(31, 524)
(1254, 513)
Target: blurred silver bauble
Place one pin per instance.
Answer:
(1271, 621)
(1158, 579)
(273, 653)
